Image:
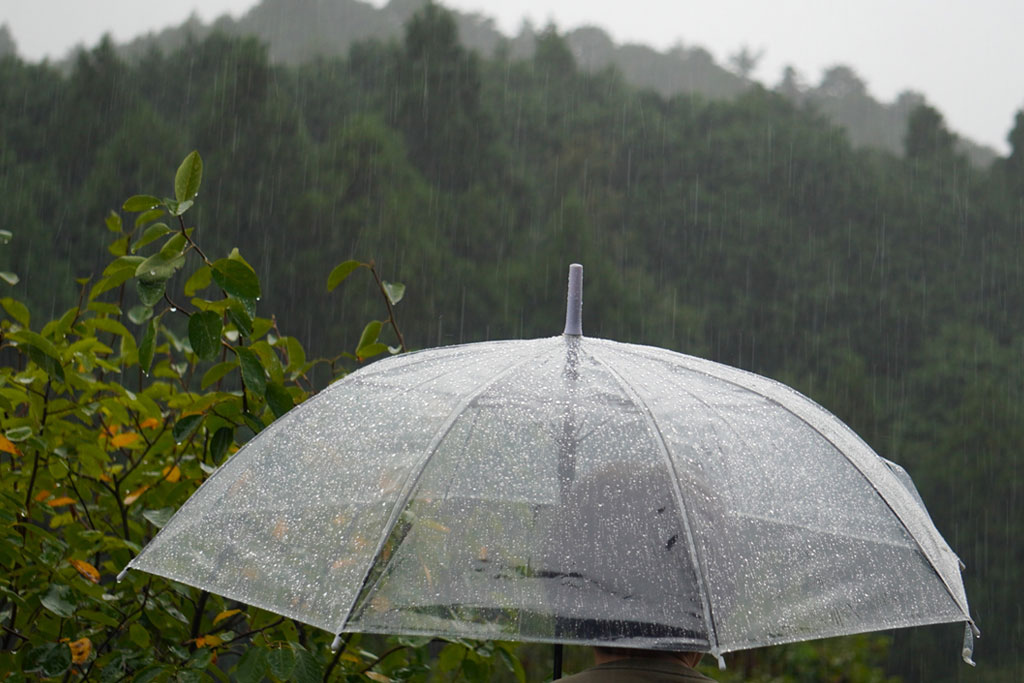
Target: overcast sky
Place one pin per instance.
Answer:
(964, 55)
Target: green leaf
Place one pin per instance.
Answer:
(150, 291)
(188, 177)
(281, 662)
(30, 338)
(160, 266)
(113, 221)
(201, 658)
(221, 441)
(153, 232)
(123, 264)
(217, 372)
(158, 517)
(18, 434)
(252, 422)
(198, 281)
(394, 290)
(178, 208)
(253, 375)
(50, 660)
(138, 634)
(59, 600)
(149, 216)
(152, 672)
(147, 346)
(6, 236)
(512, 663)
(140, 314)
(238, 314)
(450, 658)
(204, 328)
(16, 310)
(340, 272)
(236, 278)
(371, 350)
(140, 202)
(278, 398)
(252, 667)
(369, 335)
(186, 426)
(9, 277)
(119, 247)
(308, 668)
(99, 617)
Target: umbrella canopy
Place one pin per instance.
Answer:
(566, 490)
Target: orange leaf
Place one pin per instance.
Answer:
(224, 615)
(7, 447)
(150, 423)
(86, 570)
(80, 650)
(209, 641)
(126, 439)
(134, 495)
(111, 430)
(58, 502)
(41, 496)
(172, 473)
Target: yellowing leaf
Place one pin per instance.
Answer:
(122, 440)
(172, 473)
(86, 570)
(80, 650)
(150, 423)
(58, 502)
(374, 676)
(7, 447)
(209, 641)
(134, 495)
(221, 616)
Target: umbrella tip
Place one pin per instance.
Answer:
(574, 301)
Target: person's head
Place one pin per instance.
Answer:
(604, 654)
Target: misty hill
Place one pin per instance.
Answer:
(297, 32)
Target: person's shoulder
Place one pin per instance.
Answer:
(638, 671)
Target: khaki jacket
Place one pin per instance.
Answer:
(639, 670)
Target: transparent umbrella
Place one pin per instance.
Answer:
(566, 490)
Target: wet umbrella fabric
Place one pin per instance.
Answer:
(567, 489)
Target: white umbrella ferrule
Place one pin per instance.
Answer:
(574, 301)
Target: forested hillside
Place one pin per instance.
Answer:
(296, 32)
(888, 287)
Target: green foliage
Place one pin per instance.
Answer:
(105, 433)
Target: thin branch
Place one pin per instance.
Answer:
(391, 309)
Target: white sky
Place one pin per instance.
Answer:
(964, 55)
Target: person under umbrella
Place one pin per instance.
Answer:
(621, 665)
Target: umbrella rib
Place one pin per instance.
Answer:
(698, 568)
(406, 494)
(896, 497)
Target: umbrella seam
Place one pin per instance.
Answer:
(410, 487)
(680, 501)
(932, 561)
